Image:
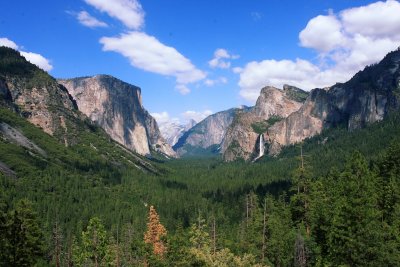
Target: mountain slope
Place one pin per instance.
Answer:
(172, 131)
(37, 96)
(30, 97)
(366, 98)
(272, 105)
(207, 135)
(117, 107)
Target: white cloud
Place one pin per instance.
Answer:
(378, 20)
(162, 117)
(147, 53)
(196, 115)
(183, 89)
(8, 43)
(220, 59)
(38, 60)
(129, 12)
(346, 42)
(322, 33)
(237, 70)
(34, 58)
(87, 20)
(220, 80)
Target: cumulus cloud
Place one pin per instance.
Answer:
(8, 43)
(142, 50)
(220, 59)
(38, 60)
(88, 20)
(162, 117)
(323, 33)
(147, 53)
(196, 115)
(345, 42)
(377, 20)
(34, 58)
(129, 12)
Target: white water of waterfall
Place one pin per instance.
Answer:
(262, 148)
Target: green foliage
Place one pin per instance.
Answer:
(95, 177)
(21, 236)
(297, 95)
(280, 235)
(262, 126)
(95, 248)
(12, 64)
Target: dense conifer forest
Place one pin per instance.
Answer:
(333, 200)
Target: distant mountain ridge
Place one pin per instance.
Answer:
(206, 136)
(172, 131)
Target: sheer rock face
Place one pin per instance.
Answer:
(367, 98)
(117, 107)
(272, 104)
(207, 133)
(46, 106)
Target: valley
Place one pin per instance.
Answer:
(86, 171)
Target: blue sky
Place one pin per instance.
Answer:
(192, 58)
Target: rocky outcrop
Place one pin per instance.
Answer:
(272, 105)
(34, 94)
(117, 107)
(367, 98)
(207, 134)
(15, 136)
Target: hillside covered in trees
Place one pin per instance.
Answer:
(338, 204)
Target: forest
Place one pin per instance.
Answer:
(333, 200)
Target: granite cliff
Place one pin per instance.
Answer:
(283, 118)
(272, 105)
(366, 98)
(38, 97)
(117, 107)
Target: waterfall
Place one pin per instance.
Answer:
(262, 147)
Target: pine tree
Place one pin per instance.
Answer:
(25, 238)
(3, 231)
(355, 236)
(94, 246)
(300, 200)
(155, 233)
